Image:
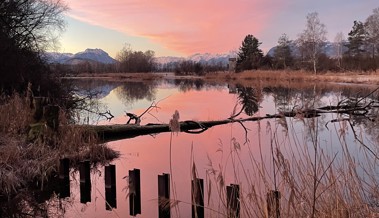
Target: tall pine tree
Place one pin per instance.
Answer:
(249, 55)
(357, 40)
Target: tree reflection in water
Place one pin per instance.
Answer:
(247, 97)
(131, 92)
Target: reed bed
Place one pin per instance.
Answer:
(318, 172)
(29, 163)
(296, 76)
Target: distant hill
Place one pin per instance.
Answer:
(329, 49)
(89, 55)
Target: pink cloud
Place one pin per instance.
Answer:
(183, 26)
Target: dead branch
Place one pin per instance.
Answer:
(137, 119)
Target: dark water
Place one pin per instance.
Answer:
(238, 153)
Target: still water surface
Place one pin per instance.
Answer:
(226, 154)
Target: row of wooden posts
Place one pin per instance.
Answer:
(197, 192)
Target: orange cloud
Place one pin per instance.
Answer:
(183, 26)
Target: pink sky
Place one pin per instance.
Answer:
(185, 27)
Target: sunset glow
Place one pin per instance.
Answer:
(214, 26)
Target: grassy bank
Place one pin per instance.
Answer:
(28, 165)
(247, 77)
(297, 76)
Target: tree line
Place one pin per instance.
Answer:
(358, 52)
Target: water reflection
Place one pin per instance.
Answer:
(247, 97)
(131, 92)
(220, 154)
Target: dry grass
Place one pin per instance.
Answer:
(24, 162)
(122, 76)
(295, 76)
(313, 179)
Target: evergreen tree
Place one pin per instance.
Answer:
(357, 40)
(249, 55)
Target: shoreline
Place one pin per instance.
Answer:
(246, 77)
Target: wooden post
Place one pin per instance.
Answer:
(85, 171)
(51, 116)
(85, 192)
(64, 168)
(64, 178)
(85, 181)
(134, 192)
(38, 103)
(110, 187)
(197, 195)
(233, 200)
(164, 196)
(273, 204)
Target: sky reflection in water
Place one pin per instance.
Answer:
(222, 148)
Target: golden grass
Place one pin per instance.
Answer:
(23, 162)
(312, 182)
(296, 76)
(122, 76)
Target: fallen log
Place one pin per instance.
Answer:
(123, 131)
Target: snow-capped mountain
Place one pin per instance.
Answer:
(91, 55)
(56, 57)
(329, 48)
(205, 58)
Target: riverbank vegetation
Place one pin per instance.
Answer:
(30, 154)
(30, 148)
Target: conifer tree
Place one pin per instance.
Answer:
(249, 55)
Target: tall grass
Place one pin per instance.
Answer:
(281, 77)
(316, 176)
(25, 162)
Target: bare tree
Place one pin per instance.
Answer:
(312, 39)
(338, 46)
(282, 52)
(372, 30)
(27, 27)
(135, 61)
(32, 24)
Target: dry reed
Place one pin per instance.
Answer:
(24, 162)
(316, 177)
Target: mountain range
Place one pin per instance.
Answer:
(99, 56)
(89, 55)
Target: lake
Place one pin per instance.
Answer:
(317, 163)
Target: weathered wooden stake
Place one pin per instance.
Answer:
(85, 192)
(273, 204)
(197, 195)
(85, 181)
(164, 196)
(134, 192)
(85, 171)
(110, 187)
(233, 200)
(51, 116)
(64, 178)
(64, 168)
(38, 103)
